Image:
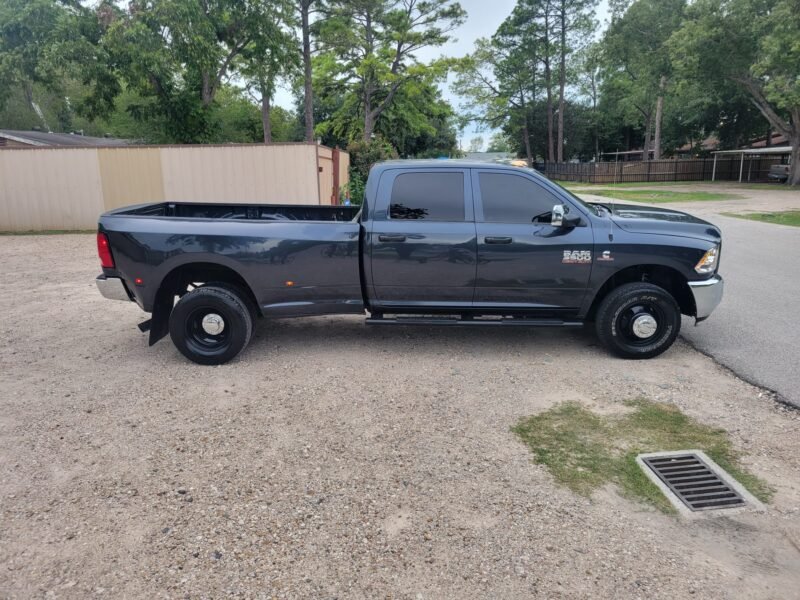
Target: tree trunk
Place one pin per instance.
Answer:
(206, 94)
(594, 120)
(596, 146)
(790, 128)
(308, 90)
(369, 115)
(647, 133)
(562, 79)
(526, 138)
(369, 127)
(548, 83)
(794, 168)
(265, 118)
(659, 114)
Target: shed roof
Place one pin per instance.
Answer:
(41, 138)
(750, 151)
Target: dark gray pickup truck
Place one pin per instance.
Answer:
(436, 242)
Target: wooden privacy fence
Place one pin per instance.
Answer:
(67, 188)
(699, 169)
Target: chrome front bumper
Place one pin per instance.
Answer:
(112, 288)
(707, 295)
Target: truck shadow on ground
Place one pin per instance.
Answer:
(343, 334)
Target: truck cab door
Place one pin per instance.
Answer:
(422, 241)
(524, 262)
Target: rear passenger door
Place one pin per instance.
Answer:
(423, 241)
(521, 257)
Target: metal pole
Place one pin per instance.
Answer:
(714, 169)
(741, 167)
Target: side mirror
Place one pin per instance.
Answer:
(560, 217)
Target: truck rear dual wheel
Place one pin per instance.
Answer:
(211, 325)
(638, 320)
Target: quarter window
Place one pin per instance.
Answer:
(509, 198)
(428, 196)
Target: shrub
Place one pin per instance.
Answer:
(362, 156)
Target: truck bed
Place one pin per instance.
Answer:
(260, 212)
(295, 259)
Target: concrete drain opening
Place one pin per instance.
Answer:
(693, 482)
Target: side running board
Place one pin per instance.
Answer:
(476, 322)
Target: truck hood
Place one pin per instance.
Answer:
(662, 221)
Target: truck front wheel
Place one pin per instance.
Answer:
(638, 320)
(210, 325)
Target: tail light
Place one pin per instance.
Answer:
(104, 251)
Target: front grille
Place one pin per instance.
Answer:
(694, 482)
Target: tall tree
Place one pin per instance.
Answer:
(49, 45)
(476, 144)
(638, 62)
(177, 53)
(376, 41)
(575, 22)
(754, 45)
(589, 80)
(497, 84)
(270, 56)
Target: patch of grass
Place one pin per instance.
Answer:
(49, 232)
(585, 451)
(661, 196)
(787, 217)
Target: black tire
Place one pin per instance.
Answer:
(622, 322)
(240, 292)
(191, 337)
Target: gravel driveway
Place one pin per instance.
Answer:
(333, 460)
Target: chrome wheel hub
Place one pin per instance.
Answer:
(213, 324)
(644, 326)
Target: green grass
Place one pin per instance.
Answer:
(49, 232)
(787, 217)
(629, 184)
(661, 196)
(584, 451)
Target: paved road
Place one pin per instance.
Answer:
(756, 330)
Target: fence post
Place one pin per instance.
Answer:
(648, 170)
(675, 176)
(335, 190)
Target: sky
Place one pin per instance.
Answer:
(483, 19)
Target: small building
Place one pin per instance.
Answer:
(56, 187)
(699, 148)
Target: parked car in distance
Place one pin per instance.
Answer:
(778, 173)
(435, 243)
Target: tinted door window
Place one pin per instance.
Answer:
(510, 198)
(428, 196)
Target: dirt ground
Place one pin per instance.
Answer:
(337, 461)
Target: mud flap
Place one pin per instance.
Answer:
(159, 323)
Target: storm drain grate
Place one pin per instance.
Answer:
(696, 484)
